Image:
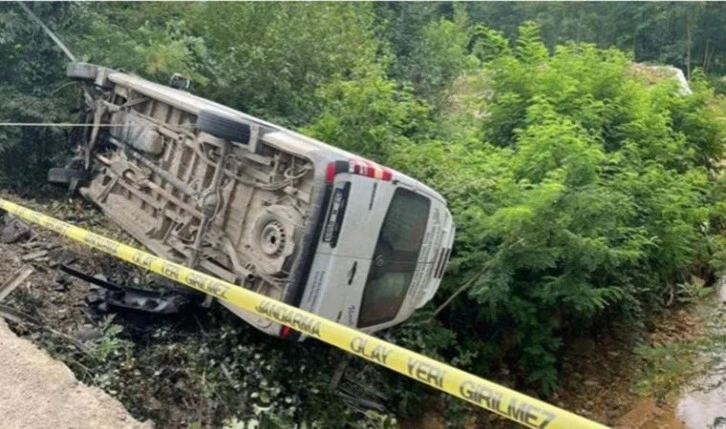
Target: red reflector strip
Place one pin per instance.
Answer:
(437, 260)
(369, 169)
(285, 331)
(441, 264)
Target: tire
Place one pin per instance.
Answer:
(223, 126)
(67, 175)
(82, 71)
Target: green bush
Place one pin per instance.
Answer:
(581, 196)
(369, 114)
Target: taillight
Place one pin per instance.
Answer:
(330, 172)
(285, 331)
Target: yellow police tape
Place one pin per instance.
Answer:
(520, 408)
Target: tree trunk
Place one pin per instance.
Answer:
(705, 56)
(688, 46)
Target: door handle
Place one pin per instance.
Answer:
(351, 273)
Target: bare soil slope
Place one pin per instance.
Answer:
(39, 392)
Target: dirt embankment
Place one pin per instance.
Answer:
(40, 392)
(37, 391)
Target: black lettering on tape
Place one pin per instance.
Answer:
(379, 353)
(207, 284)
(170, 270)
(481, 395)
(196, 280)
(521, 412)
(422, 370)
(281, 314)
(528, 414)
(101, 243)
(547, 418)
(516, 412)
(425, 372)
(531, 416)
(142, 259)
(218, 288)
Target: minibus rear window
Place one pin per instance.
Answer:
(394, 259)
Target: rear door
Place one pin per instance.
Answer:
(420, 229)
(396, 258)
(376, 253)
(343, 258)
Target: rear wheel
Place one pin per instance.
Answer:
(223, 126)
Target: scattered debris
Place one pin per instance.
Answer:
(13, 315)
(98, 280)
(40, 255)
(228, 375)
(61, 282)
(105, 294)
(87, 333)
(14, 230)
(16, 280)
(61, 256)
(136, 299)
(196, 368)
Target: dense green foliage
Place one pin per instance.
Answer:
(32, 90)
(685, 34)
(580, 196)
(265, 60)
(584, 190)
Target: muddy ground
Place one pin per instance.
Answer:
(204, 368)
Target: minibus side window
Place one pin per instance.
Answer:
(394, 258)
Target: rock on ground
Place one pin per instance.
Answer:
(39, 392)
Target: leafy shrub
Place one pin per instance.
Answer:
(368, 114)
(581, 196)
